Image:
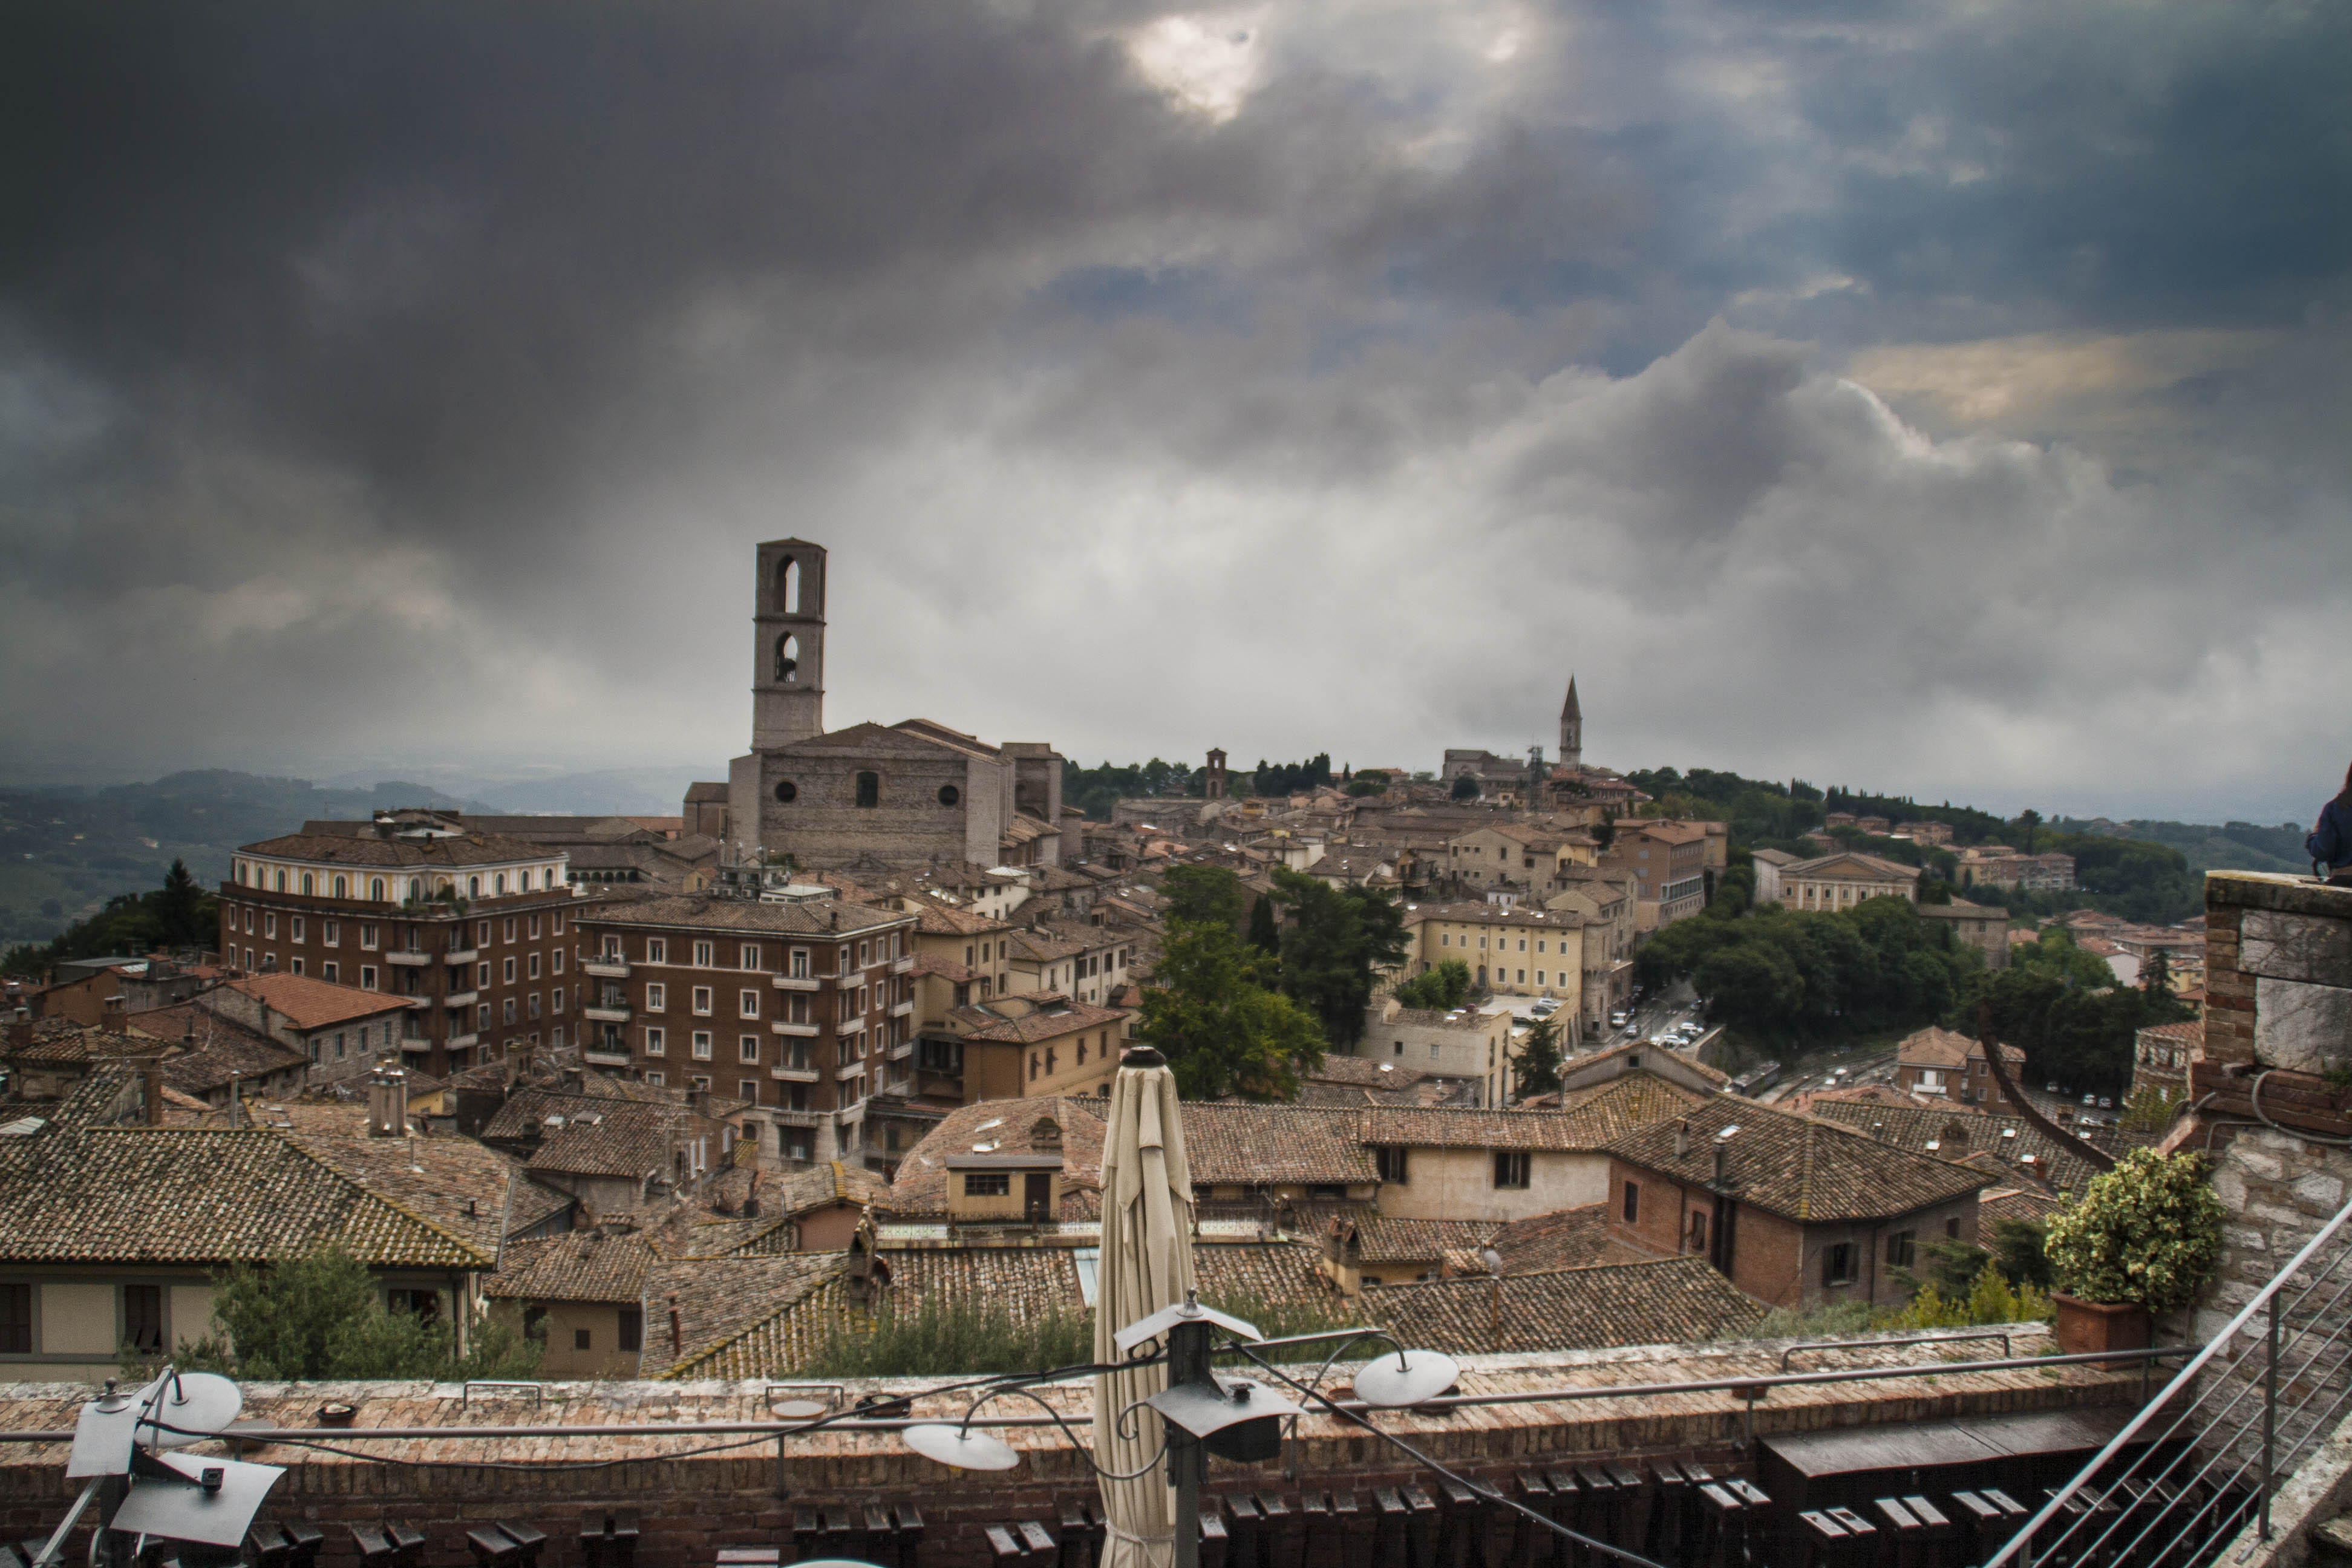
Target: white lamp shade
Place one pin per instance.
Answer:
(961, 1448)
(1405, 1377)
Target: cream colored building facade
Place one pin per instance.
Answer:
(1842, 880)
(1517, 950)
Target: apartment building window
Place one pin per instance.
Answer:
(706, 955)
(481, 976)
(748, 1091)
(654, 1045)
(1511, 1168)
(509, 1012)
(555, 1003)
(298, 964)
(702, 1045)
(1902, 1248)
(1633, 1209)
(747, 1049)
(796, 1056)
(1838, 1264)
(869, 790)
(557, 966)
(556, 925)
(533, 969)
(142, 1317)
(367, 976)
(656, 1079)
(533, 926)
(1391, 1164)
(748, 1003)
(507, 927)
(367, 936)
(532, 1011)
(507, 971)
(327, 972)
(842, 965)
(800, 963)
(748, 955)
(796, 1008)
(248, 920)
(481, 933)
(702, 1001)
(657, 997)
(862, 1007)
(657, 950)
(269, 924)
(331, 934)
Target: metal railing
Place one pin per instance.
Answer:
(2205, 1457)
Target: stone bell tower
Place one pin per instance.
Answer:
(788, 644)
(1572, 728)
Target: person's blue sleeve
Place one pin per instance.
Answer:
(2328, 845)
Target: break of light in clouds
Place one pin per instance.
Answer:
(1937, 398)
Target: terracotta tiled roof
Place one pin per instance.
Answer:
(1361, 1072)
(1262, 1145)
(1379, 1239)
(579, 1266)
(363, 848)
(944, 967)
(311, 1004)
(1802, 1167)
(1496, 915)
(63, 1040)
(1045, 1023)
(169, 1194)
(2013, 1203)
(530, 1203)
(1666, 1302)
(1958, 1133)
(717, 1300)
(1593, 1117)
(699, 911)
(220, 1049)
(1567, 1239)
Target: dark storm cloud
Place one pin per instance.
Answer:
(411, 381)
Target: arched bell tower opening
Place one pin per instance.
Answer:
(788, 671)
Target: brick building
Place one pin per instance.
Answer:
(803, 1006)
(468, 928)
(1979, 926)
(1796, 1211)
(1666, 862)
(1934, 1062)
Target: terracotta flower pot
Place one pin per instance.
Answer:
(2085, 1326)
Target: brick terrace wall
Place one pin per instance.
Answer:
(692, 1507)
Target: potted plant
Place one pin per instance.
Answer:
(2143, 1240)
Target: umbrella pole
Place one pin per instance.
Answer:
(1188, 1459)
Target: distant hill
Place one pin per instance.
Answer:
(2232, 847)
(620, 792)
(65, 851)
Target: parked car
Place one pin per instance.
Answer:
(2107, 1102)
(2090, 1100)
(1617, 1019)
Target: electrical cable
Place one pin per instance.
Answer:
(2254, 1099)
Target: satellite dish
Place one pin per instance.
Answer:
(961, 1448)
(1407, 1377)
(196, 1405)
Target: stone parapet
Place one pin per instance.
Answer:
(2278, 972)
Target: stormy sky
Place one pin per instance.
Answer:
(1939, 398)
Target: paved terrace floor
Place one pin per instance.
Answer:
(693, 1501)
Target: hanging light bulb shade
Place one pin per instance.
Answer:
(1405, 1377)
(194, 1404)
(961, 1447)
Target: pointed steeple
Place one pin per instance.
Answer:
(1572, 728)
(1569, 709)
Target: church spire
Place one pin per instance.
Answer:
(1572, 728)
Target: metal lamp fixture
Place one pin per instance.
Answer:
(121, 1448)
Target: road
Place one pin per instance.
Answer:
(1654, 1017)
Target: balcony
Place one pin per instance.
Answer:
(606, 968)
(796, 1075)
(806, 1031)
(854, 1069)
(901, 1051)
(795, 1118)
(796, 982)
(595, 1057)
(463, 1042)
(606, 1015)
(903, 1009)
(460, 998)
(902, 965)
(461, 955)
(416, 960)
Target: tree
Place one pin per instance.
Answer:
(320, 1316)
(2156, 973)
(179, 908)
(1333, 945)
(1536, 1069)
(1264, 931)
(1195, 894)
(1222, 1031)
(1465, 786)
(1441, 990)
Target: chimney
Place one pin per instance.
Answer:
(109, 1015)
(1722, 1161)
(696, 1099)
(150, 1091)
(572, 1080)
(387, 1101)
(235, 1095)
(20, 1029)
(1682, 1138)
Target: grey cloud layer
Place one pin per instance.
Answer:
(410, 381)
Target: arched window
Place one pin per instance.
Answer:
(376, 889)
(498, 883)
(788, 585)
(416, 887)
(308, 886)
(870, 789)
(343, 888)
(473, 887)
(280, 880)
(788, 659)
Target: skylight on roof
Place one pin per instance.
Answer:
(1727, 1132)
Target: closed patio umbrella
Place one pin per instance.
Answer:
(1146, 1265)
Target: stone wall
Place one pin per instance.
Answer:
(2278, 963)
